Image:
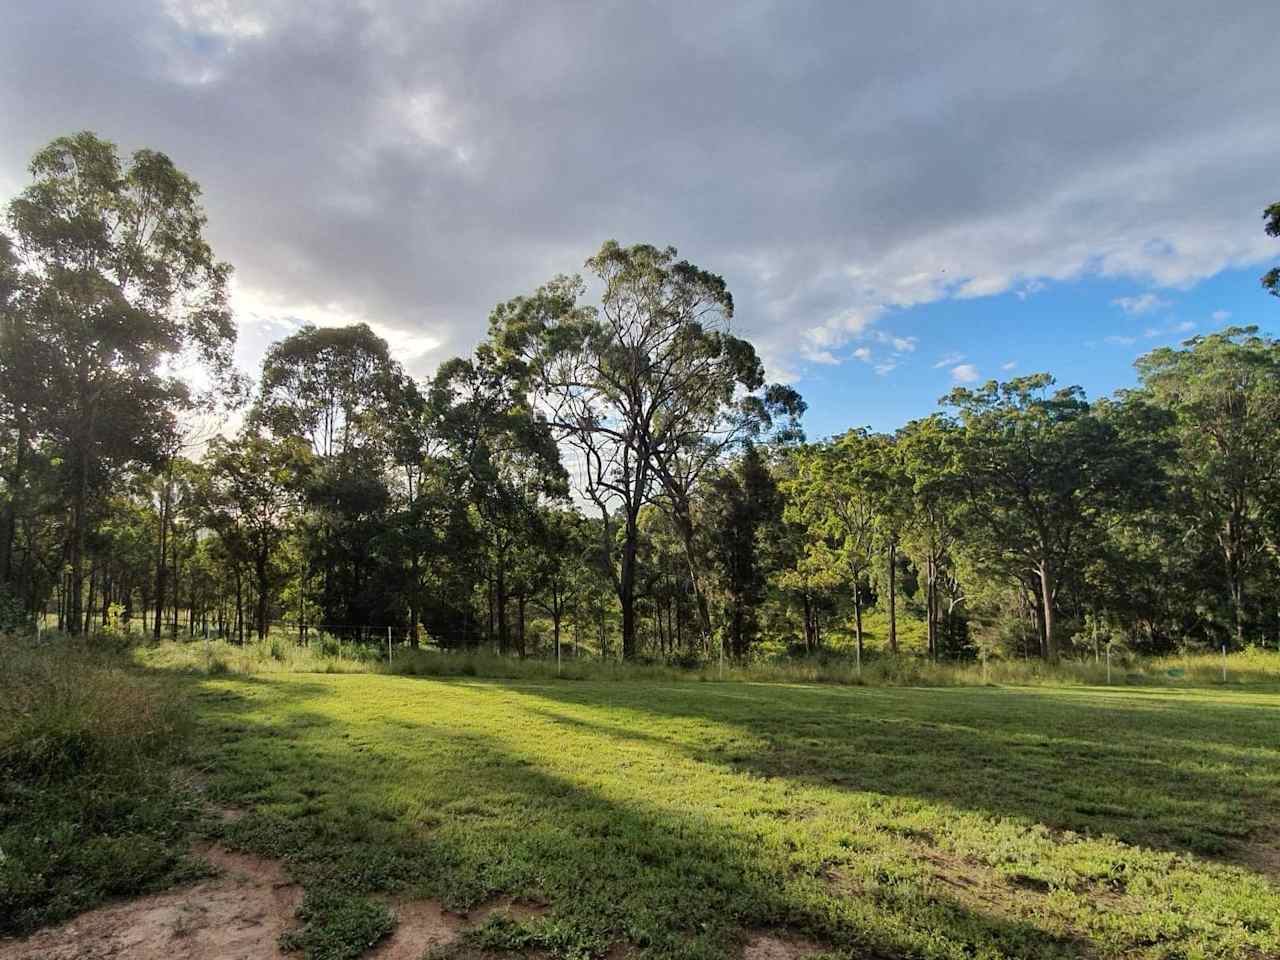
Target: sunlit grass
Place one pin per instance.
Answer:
(948, 822)
(285, 655)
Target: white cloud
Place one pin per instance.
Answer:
(1221, 316)
(1137, 306)
(987, 286)
(825, 357)
(414, 164)
(899, 344)
(964, 373)
(1009, 366)
(1120, 341)
(951, 359)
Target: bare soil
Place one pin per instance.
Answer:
(237, 915)
(773, 946)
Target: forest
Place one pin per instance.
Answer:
(609, 474)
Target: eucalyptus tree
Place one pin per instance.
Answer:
(121, 289)
(506, 458)
(253, 496)
(1041, 470)
(648, 389)
(1223, 392)
(340, 391)
(741, 509)
(832, 493)
(932, 491)
(560, 562)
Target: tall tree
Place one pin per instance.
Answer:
(930, 524)
(253, 496)
(123, 288)
(648, 389)
(742, 514)
(833, 494)
(1223, 391)
(340, 391)
(505, 455)
(1041, 470)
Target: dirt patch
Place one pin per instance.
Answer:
(773, 946)
(237, 915)
(421, 925)
(1264, 858)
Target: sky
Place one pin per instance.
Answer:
(901, 197)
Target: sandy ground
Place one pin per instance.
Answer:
(237, 915)
(769, 946)
(241, 913)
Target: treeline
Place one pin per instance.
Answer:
(611, 472)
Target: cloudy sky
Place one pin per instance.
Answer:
(901, 195)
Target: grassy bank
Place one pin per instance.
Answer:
(285, 656)
(88, 805)
(675, 818)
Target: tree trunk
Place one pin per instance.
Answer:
(685, 524)
(79, 505)
(627, 589)
(239, 627)
(416, 578)
(520, 605)
(260, 570)
(88, 607)
(931, 605)
(857, 615)
(557, 613)
(176, 582)
(161, 570)
(1048, 589)
(893, 597)
(501, 600)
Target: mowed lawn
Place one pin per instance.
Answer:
(679, 819)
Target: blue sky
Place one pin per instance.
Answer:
(1086, 332)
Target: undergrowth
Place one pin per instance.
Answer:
(274, 656)
(88, 805)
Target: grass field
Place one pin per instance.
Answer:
(676, 818)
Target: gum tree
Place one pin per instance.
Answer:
(121, 289)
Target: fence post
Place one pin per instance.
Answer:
(1108, 663)
(388, 646)
(1224, 663)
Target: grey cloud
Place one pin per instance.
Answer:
(412, 164)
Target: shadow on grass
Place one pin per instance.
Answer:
(1169, 771)
(444, 811)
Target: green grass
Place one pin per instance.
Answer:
(954, 822)
(89, 809)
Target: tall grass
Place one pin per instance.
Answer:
(273, 656)
(88, 806)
